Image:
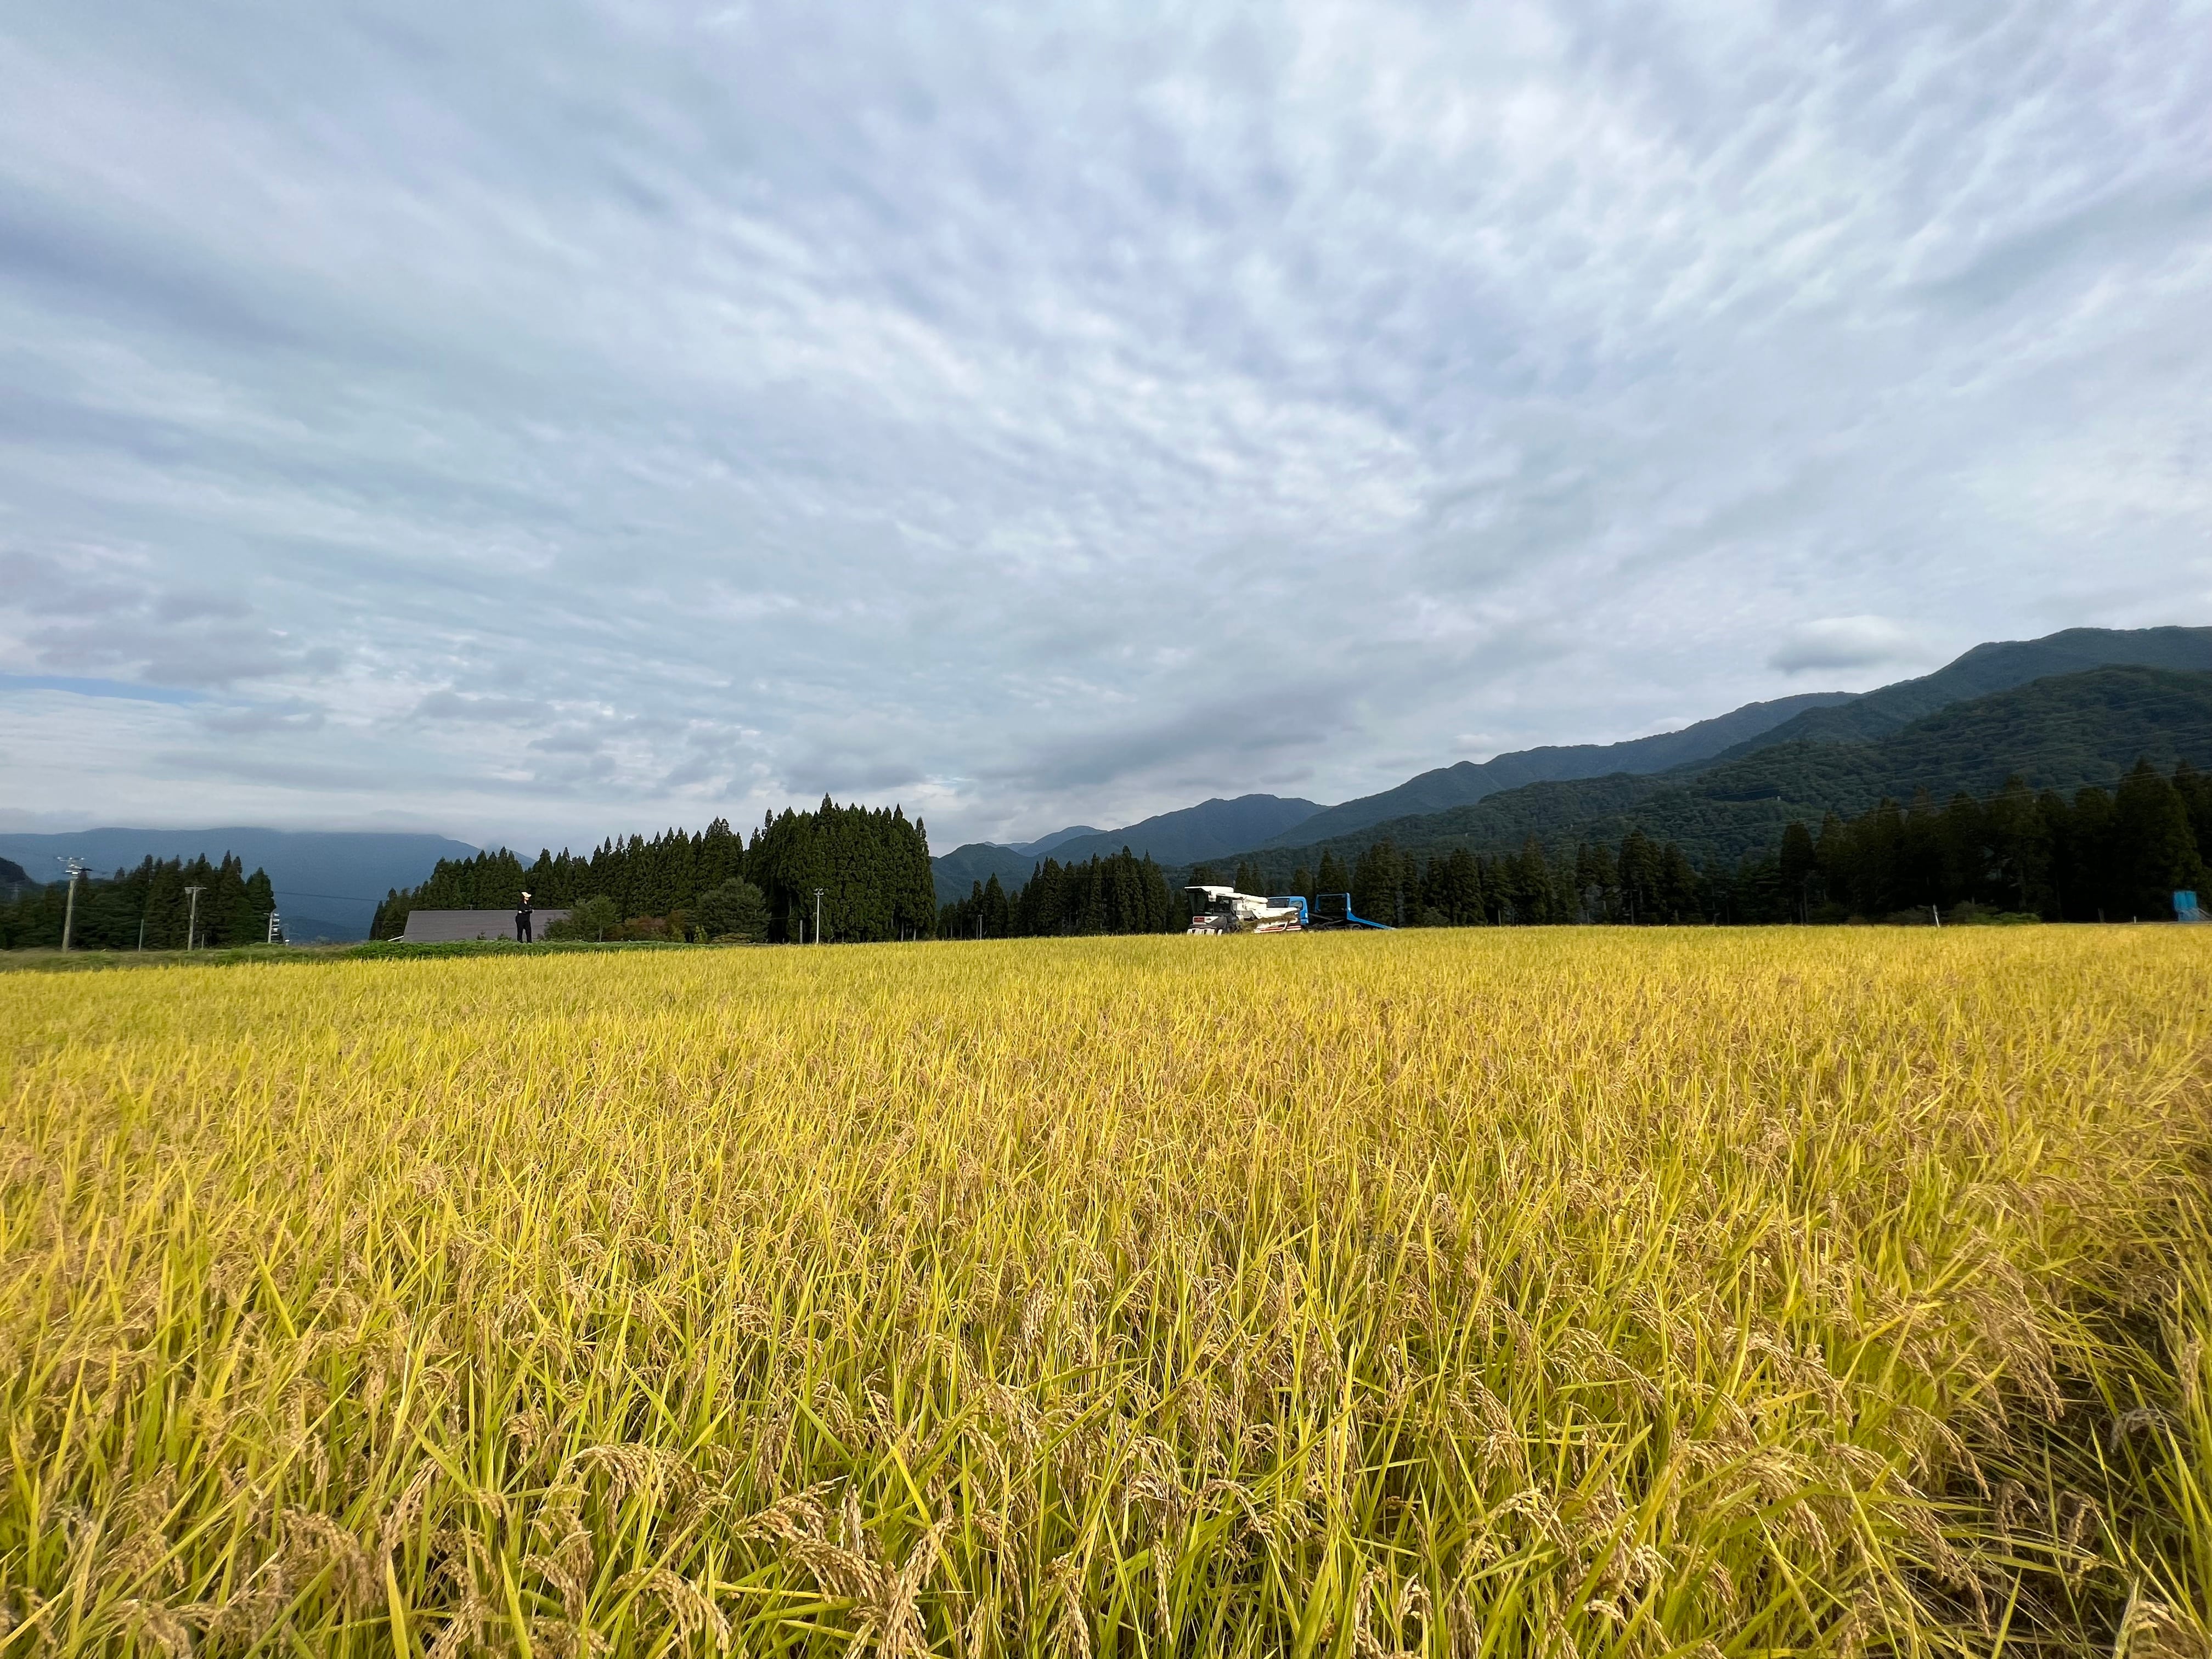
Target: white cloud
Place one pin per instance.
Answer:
(1847, 642)
(550, 422)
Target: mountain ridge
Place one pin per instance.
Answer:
(965, 867)
(1804, 718)
(1183, 836)
(1468, 782)
(1043, 844)
(2061, 731)
(1213, 826)
(1994, 665)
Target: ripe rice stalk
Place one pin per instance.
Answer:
(1520, 1293)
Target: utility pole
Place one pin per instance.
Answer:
(817, 915)
(76, 868)
(192, 916)
(271, 940)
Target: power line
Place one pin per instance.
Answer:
(288, 892)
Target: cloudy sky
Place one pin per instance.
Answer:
(531, 420)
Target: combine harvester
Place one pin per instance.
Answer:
(1225, 910)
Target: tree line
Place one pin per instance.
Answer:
(1118, 893)
(2097, 855)
(148, 906)
(1639, 880)
(871, 863)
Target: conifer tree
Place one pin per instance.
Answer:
(2156, 851)
(1799, 864)
(1332, 877)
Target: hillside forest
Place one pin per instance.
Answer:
(2062, 733)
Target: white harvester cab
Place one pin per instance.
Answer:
(1225, 910)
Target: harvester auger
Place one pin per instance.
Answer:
(1225, 910)
(1334, 910)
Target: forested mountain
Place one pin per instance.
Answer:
(1990, 668)
(149, 905)
(1043, 844)
(1817, 716)
(2062, 733)
(963, 867)
(871, 865)
(1469, 782)
(13, 875)
(1203, 831)
(325, 881)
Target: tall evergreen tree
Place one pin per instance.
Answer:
(1122, 894)
(1332, 877)
(1799, 864)
(2155, 852)
(2195, 789)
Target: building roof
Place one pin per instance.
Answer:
(437, 926)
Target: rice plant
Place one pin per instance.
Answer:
(1545, 1293)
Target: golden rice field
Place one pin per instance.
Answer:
(1498, 1293)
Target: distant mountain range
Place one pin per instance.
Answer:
(958, 871)
(2074, 707)
(1195, 833)
(1203, 831)
(1038, 849)
(328, 882)
(1470, 780)
(1988, 668)
(2056, 734)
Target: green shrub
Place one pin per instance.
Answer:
(593, 918)
(735, 909)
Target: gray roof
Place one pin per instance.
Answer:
(436, 926)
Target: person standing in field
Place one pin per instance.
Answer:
(522, 921)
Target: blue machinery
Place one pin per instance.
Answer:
(1333, 910)
(1216, 909)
